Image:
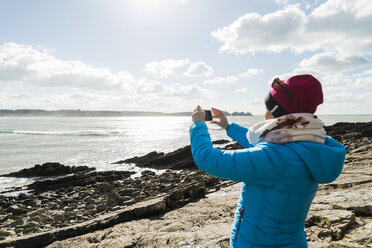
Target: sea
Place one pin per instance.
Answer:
(100, 141)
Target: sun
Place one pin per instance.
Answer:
(149, 6)
(144, 11)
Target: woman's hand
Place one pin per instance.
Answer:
(220, 115)
(198, 114)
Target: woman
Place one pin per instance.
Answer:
(285, 158)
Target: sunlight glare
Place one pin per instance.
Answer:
(150, 7)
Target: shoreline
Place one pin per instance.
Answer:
(341, 211)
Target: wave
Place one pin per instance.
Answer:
(65, 133)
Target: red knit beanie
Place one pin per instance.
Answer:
(298, 94)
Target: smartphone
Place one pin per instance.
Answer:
(208, 115)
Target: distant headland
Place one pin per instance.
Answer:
(89, 113)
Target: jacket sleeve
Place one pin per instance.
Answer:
(253, 165)
(239, 134)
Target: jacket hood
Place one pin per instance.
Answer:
(324, 161)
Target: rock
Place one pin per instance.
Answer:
(89, 199)
(173, 227)
(366, 132)
(333, 223)
(348, 180)
(53, 205)
(22, 196)
(17, 209)
(345, 244)
(176, 160)
(58, 217)
(234, 146)
(30, 230)
(220, 142)
(30, 202)
(107, 187)
(361, 234)
(362, 129)
(179, 159)
(356, 199)
(32, 224)
(143, 159)
(38, 219)
(3, 217)
(48, 169)
(148, 173)
(43, 214)
(5, 233)
(179, 228)
(101, 207)
(114, 196)
(127, 198)
(17, 222)
(80, 180)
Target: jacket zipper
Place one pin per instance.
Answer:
(240, 219)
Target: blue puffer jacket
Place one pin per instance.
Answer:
(279, 182)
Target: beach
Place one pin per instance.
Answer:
(100, 102)
(180, 207)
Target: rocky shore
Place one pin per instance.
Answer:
(182, 207)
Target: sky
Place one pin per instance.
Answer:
(171, 55)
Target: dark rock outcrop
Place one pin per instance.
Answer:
(49, 169)
(177, 160)
(143, 159)
(79, 180)
(220, 142)
(347, 130)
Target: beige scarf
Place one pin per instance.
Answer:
(288, 128)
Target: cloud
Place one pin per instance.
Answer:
(21, 63)
(337, 89)
(364, 82)
(358, 8)
(22, 95)
(331, 62)
(253, 32)
(281, 2)
(150, 87)
(220, 80)
(233, 79)
(364, 79)
(199, 69)
(77, 100)
(241, 90)
(250, 73)
(339, 26)
(335, 78)
(150, 96)
(339, 97)
(255, 101)
(166, 67)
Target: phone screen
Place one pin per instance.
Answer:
(208, 115)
